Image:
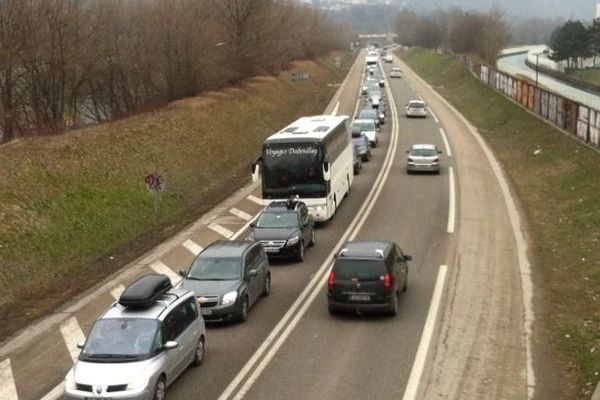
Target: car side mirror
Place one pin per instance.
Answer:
(439, 152)
(252, 225)
(183, 272)
(407, 257)
(170, 345)
(252, 273)
(81, 344)
(407, 151)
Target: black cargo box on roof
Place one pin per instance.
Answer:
(145, 290)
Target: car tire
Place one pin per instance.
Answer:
(356, 170)
(300, 254)
(405, 286)
(394, 307)
(243, 313)
(200, 352)
(312, 237)
(331, 310)
(267, 290)
(160, 390)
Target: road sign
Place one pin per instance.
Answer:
(155, 182)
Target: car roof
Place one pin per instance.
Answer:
(416, 101)
(423, 146)
(226, 248)
(365, 249)
(154, 311)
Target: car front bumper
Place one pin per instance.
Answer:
(146, 394)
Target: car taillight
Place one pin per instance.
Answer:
(331, 281)
(387, 280)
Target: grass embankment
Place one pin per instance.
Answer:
(559, 194)
(588, 75)
(74, 207)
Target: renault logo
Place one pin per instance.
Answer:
(98, 389)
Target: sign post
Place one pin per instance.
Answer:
(155, 183)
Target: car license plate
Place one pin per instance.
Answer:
(360, 297)
(206, 311)
(271, 250)
(96, 398)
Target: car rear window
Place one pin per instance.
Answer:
(416, 105)
(359, 269)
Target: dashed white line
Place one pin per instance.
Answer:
(335, 109)
(255, 199)
(240, 214)
(452, 201)
(410, 393)
(161, 268)
(434, 116)
(72, 334)
(8, 389)
(220, 230)
(192, 246)
(116, 291)
(446, 143)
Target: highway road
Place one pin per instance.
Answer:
(461, 329)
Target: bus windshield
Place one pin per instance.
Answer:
(292, 168)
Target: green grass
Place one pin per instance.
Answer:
(559, 194)
(588, 75)
(74, 207)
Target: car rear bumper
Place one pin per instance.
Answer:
(423, 167)
(359, 307)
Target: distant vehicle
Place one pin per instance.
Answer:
(416, 108)
(357, 161)
(371, 113)
(368, 128)
(423, 158)
(140, 345)
(368, 276)
(395, 72)
(371, 59)
(361, 143)
(285, 229)
(228, 277)
(389, 58)
(311, 158)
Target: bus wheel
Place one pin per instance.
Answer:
(348, 182)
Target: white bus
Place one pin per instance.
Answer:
(311, 158)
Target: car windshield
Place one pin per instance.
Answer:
(277, 220)
(416, 105)
(365, 126)
(423, 152)
(359, 269)
(215, 269)
(395, 69)
(122, 340)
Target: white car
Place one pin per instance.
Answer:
(423, 157)
(388, 58)
(395, 72)
(367, 126)
(416, 108)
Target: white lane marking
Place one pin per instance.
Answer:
(446, 143)
(255, 199)
(72, 334)
(192, 246)
(161, 268)
(451, 201)
(238, 233)
(116, 291)
(55, 393)
(240, 214)
(311, 291)
(8, 388)
(335, 109)
(220, 230)
(410, 393)
(434, 116)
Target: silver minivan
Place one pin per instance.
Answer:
(140, 345)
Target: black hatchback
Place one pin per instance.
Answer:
(368, 276)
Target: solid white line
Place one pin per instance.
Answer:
(335, 109)
(55, 393)
(311, 291)
(161, 268)
(220, 230)
(116, 292)
(240, 214)
(446, 143)
(72, 334)
(255, 199)
(451, 201)
(8, 388)
(192, 246)
(410, 393)
(434, 116)
(239, 232)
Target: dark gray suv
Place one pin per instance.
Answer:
(228, 277)
(368, 276)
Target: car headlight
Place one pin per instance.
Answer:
(293, 240)
(138, 384)
(229, 298)
(70, 380)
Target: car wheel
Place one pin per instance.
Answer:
(331, 310)
(267, 290)
(300, 254)
(199, 355)
(405, 286)
(160, 390)
(243, 313)
(394, 306)
(312, 238)
(356, 170)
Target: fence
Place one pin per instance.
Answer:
(580, 121)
